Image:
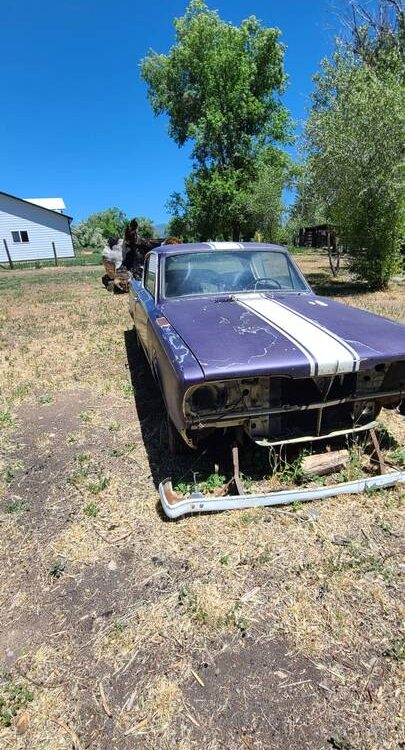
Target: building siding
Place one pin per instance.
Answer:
(43, 227)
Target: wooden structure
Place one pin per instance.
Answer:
(319, 235)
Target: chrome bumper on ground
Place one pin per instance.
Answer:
(197, 502)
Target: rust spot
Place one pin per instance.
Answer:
(171, 496)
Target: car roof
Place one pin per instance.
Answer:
(192, 247)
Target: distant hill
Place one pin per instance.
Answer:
(160, 230)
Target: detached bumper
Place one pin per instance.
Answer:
(197, 502)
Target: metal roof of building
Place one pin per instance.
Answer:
(54, 204)
(33, 201)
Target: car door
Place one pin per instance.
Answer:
(146, 300)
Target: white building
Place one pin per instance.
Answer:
(33, 229)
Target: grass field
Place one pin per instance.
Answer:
(266, 629)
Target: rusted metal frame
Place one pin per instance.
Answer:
(377, 451)
(310, 438)
(236, 483)
(287, 409)
(320, 412)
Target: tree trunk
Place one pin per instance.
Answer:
(334, 262)
(236, 231)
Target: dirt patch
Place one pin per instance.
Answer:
(259, 694)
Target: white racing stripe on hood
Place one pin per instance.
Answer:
(326, 354)
(352, 352)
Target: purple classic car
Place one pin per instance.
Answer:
(237, 340)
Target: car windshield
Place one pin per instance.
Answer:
(225, 271)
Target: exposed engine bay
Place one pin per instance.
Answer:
(279, 410)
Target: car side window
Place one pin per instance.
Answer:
(150, 274)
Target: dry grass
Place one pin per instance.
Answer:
(141, 602)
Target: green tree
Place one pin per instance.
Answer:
(111, 222)
(179, 225)
(220, 86)
(308, 208)
(87, 237)
(264, 201)
(146, 227)
(94, 231)
(355, 140)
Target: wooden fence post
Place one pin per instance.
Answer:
(8, 254)
(54, 253)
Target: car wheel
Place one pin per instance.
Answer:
(177, 446)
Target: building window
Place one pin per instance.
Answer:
(20, 236)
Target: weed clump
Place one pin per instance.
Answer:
(13, 697)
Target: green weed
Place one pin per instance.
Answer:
(91, 510)
(213, 482)
(233, 618)
(360, 562)
(57, 568)
(10, 472)
(98, 485)
(337, 743)
(127, 390)
(188, 599)
(397, 650)
(264, 557)
(6, 419)
(246, 518)
(13, 698)
(119, 626)
(296, 505)
(182, 488)
(292, 472)
(397, 456)
(46, 398)
(354, 469)
(72, 438)
(18, 506)
(85, 417)
(83, 458)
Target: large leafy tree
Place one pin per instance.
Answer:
(264, 203)
(111, 222)
(146, 227)
(94, 231)
(87, 237)
(220, 86)
(355, 139)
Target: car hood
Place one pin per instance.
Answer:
(296, 335)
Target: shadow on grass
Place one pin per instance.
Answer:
(152, 419)
(325, 284)
(254, 461)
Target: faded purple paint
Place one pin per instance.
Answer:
(374, 338)
(228, 340)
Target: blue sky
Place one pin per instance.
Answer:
(76, 122)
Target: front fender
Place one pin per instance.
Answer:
(174, 365)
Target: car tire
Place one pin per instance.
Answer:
(177, 446)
